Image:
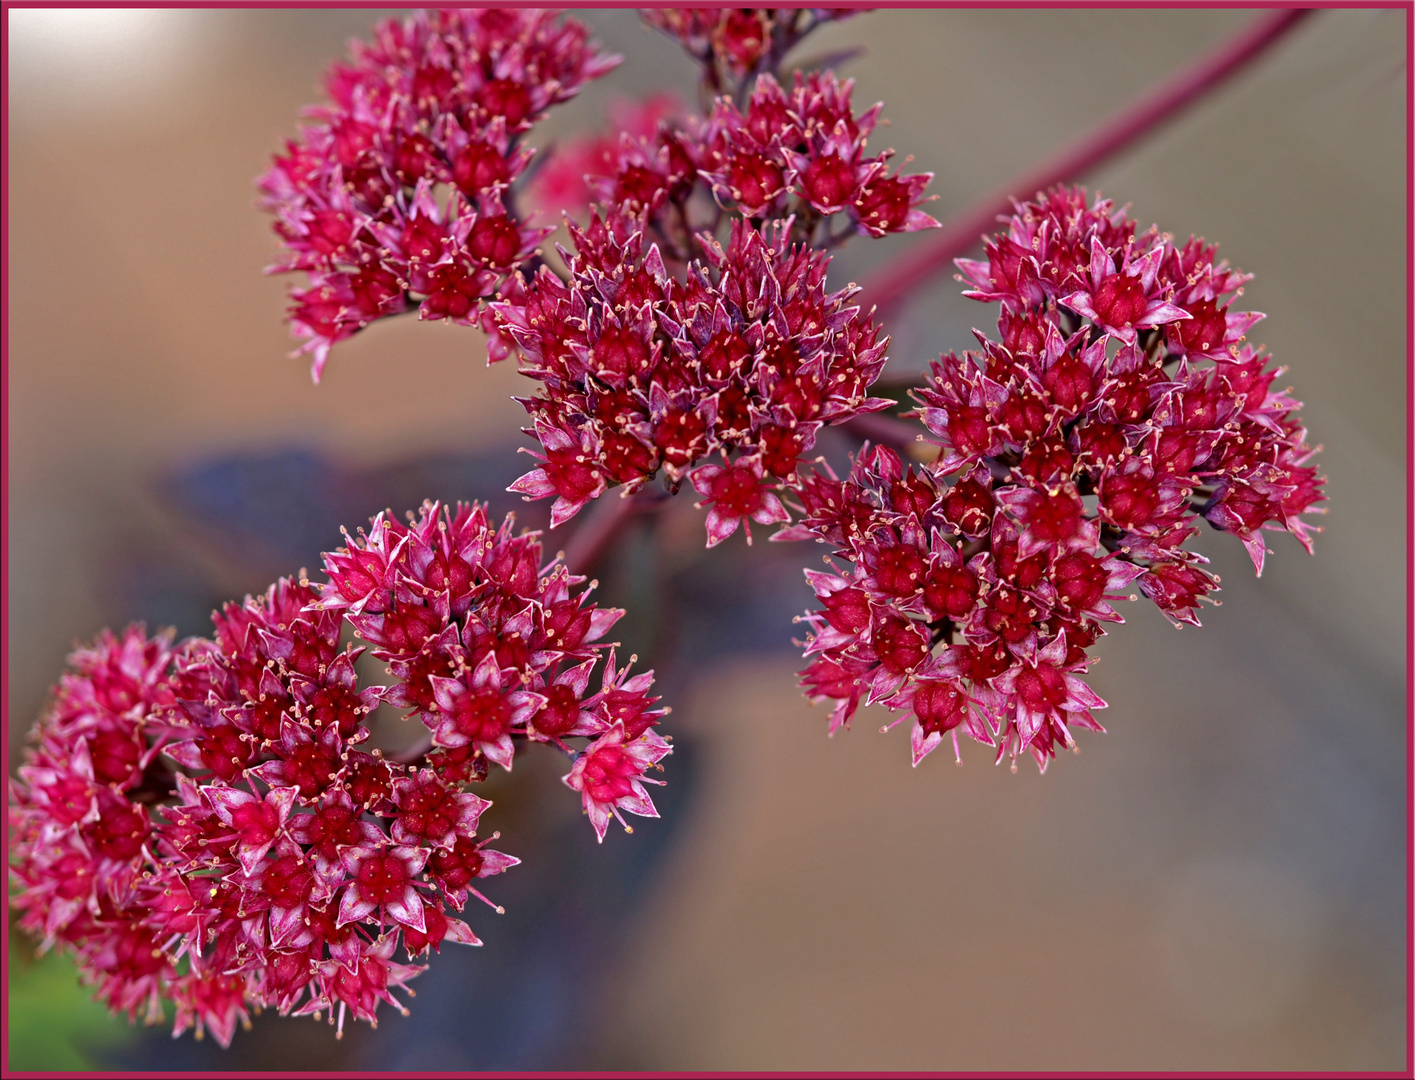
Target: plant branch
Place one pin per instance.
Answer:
(885, 430)
(964, 230)
(415, 754)
(602, 526)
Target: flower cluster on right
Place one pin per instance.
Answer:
(1077, 455)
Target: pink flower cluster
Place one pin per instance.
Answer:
(642, 372)
(1121, 405)
(396, 195)
(802, 152)
(743, 355)
(733, 44)
(561, 183)
(487, 645)
(200, 824)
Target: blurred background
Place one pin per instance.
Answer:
(1218, 883)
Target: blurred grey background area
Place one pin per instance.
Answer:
(1216, 883)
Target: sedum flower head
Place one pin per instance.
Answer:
(735, 43)
(641, 372)
(396, 194)
(203, 824)
(666, 352)
(1121, 406)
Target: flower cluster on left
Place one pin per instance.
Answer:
(199, 824)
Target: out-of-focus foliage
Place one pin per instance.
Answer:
(55, 1025)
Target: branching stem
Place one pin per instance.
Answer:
(962, 232)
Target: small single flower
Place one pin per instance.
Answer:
(736, 495)
(609, 776)
(383, 878)
(481, 709)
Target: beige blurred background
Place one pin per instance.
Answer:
(1216, 883)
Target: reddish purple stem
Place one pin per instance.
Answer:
(964, 230)
(885, 430)
(601, 527)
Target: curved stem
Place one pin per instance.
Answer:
(885, 430)
(594, 538)
(963, 231)
(415, 754)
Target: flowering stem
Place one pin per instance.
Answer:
(885, 430)
(890, 288)
(415, 754)
(602, 526)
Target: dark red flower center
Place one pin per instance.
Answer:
(114, 756)
(478, 168)
(502, 97)
(1054, 517)
(638, 185)
(560, 712)
(940, 706)
(951, 590)
(847, 610)
(755, 182)
(1070, 383)
(1041, 688)
(608, 774)
(724, 355)
(884, 206)
(494, 241)
(483, 715)
(1129, 501)
(571, 473)
(901, 646)
(680, 436)
(287, 881)
(618, 354)
(382, 877)
(1206, 328)
(829, 182)
(969, 506)
(1120, 300)
(899, 570)
(1080, 580)
(737, 492)
(428, 811)
(459, 866)
(1009, 615)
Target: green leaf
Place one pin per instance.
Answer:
(54, 1022)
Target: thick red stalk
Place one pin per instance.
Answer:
(964, 230)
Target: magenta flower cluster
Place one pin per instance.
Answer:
(206, 824)
(397, 193)
(734, 44)
(201, 824)
(666, 352)
(757, 362)
(1077, 454)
